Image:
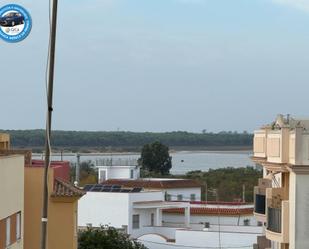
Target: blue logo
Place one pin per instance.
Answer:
(15, 23)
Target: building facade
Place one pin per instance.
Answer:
(62, 202)
(135, 211)
(12, 202)
(281, 197)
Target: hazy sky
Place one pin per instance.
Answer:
(160, 65)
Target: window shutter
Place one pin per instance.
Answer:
(13, 228)
(2, 234)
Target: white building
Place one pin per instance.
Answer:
(174, 189)
(214, 213)
(227, 237)
(281, 197)
(117, 169)
(145, 216)
(134, 210)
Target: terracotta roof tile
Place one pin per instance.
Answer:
(212, 211)
(65, 189)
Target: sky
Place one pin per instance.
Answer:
(160, 65)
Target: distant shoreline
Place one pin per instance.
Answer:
(172, 151)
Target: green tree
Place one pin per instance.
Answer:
(106, 238)
(155, 158)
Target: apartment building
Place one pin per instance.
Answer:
(21, 183)
(12, 201)
(4, 141)
(282, 196)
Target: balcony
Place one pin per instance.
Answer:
(259, 144)
(274, 219)
(271, 146)
(260, 199)
(277, 214)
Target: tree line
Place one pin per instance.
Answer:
(104, 139)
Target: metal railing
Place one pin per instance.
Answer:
(274, 220)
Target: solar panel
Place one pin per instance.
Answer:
(136, 190)
(125, 190)
(116, 190)
(106, 190)
(116, 187)
(87, 187)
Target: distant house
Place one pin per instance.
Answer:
(147, 217)
(118, 172)
(134, 210)
(213, 213)
(174, 189)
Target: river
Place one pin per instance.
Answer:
(182, 161)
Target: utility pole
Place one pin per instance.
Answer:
(206, 192)
(51, 67)
(77, 170)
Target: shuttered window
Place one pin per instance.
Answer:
(10, 230)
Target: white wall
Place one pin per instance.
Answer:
(185, 192)
(145, 215)
(212, 219)
(191, 239)
(299, 209)
(119, 172)
(115, 209)
(99, 209)
(12, 189)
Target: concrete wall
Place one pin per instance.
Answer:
(185, 192)
(190, 239)
(116, 209)
(12, 190)
(119, 172)
(299, 209)
(99, 208)
(212, 219)
(144, 214)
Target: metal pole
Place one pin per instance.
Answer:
(244, 193)
(77, 170)
(51, 65)
(206, 193)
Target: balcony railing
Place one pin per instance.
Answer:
(274, 220)
(259, 204)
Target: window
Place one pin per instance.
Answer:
(8, 231)
(192, 197)
(168, 197)
(179, 197)
(135, 221)
(246, 222)
(102, 175)
(152, 220)
(131, 173)
(18, 226)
